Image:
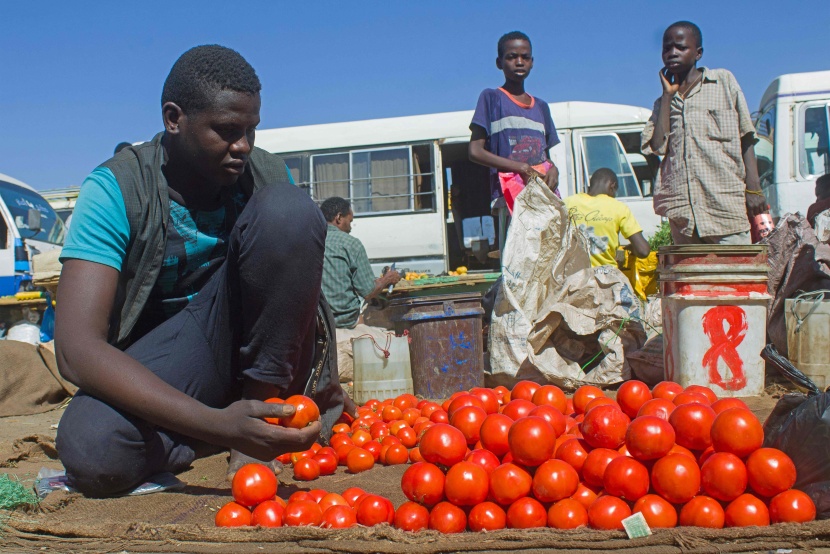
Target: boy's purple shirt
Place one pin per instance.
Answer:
(513, 131)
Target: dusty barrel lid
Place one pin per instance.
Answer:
(712, 259)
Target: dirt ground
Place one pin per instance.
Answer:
(182, 521)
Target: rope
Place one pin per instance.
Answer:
(816, 297)
(602, 350)
(385, 351)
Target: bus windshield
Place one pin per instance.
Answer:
(19, 201)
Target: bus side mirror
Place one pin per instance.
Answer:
(33, 220)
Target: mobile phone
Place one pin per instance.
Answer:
(669, 76)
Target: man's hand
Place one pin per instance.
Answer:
(241, 427)
(391, 277)
(755, 204)
(527, 172)
(349, 407)
(669, 89)
(552, 177)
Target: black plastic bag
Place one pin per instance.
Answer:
(800, 427)
(788, 370)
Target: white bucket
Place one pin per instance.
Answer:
(808, 346)
(714, 300)
(375, 375)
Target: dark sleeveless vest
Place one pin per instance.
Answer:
(138, 170)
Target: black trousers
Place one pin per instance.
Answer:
(257, 317)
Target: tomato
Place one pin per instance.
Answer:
(305, 412)
(252, 484)
(705, 391)
(567, 514)
(405, 401)
(770, 471)
(439, 416)
(702, 511)
(531, 441)
(374, 509)
(415, 456)
(274, 420)
(468, 420)
(627, 478)
(301, 495)
(593, 470)
(423, 482)
(486, 516)
(649, 438)
(306, 470)
(657, 407)
(508, 483)
(677, 449)
(550, 395)
(585, 495)
(666, 389)
(705, 455)
(338, 516)
(361, 437)
(553, 416)
(332, 499)
(574, 452)
(268, 514)
(691, 398)
(327, 463)
(390, 414)
(340, 439)
(411, 516)
(524, 390)
(489, 399)
(526, 513)
(358, 460)
(631, 396)
(302, 513)
(466, 484)
(428, 408)
(738, 431)
(378, 430)
(607, 512)
(352, 494)
(390, 440)
(396, 454)
(518, 408)
(443, 444)
(605, 427)
(658, 512)
(723, 476)
(747, 510)
(463, 401)
(584, 395)
(446, 518)
(676, 478)
(726, 403)
(601, 401)
(233, 515)
(792, 506)
(494, 431)
(411, 415)
(407, 436)
(555, 480)
(446, 405)
(692, 425)
(342, 452)
(484, 458)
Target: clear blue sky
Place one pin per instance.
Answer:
(77, 78)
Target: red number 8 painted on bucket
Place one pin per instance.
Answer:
(724, 344)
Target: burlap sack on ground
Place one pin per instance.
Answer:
(29, 379)
(345, 355)
(553, 312)
(798, 262)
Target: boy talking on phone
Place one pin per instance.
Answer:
(709, 185)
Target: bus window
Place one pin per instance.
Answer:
(645, 167)
(381, 180)
(814, 152)
(330, 176)
(765, 147)
(607, 151)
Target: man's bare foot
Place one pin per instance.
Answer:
(238, 459)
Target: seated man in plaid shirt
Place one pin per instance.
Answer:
(348, 281)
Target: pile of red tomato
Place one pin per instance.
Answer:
(530, 457)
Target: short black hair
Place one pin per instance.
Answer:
(512, 35)
(121, 146)
(689, 26)
(603, 176)
(823, 184)
(334, 206)
(203, 71)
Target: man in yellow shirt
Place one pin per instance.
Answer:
(601, 218)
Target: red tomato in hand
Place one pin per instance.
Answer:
(666, 390)
(524, 390)
(584, 395)
(531, 441)
(411, 516)
(723, 476)
(233, 515)
(253, 484)
(487, 516)
(649, 438)
(676, 478)
(555, 480)
(305, 412)
(738, 432)
(702, 511)
(747, 510)
(494, 431)
(626, 478)
(792, 506)
(692, 425)
(446, 518)
(593, 470)
(631, 396)
(268, 514)
(302, 513)
(423, 482)
(466, 484)
(607, 512)
(550, 395)
(468, 420)
(770, 471)
(657, 511)
(605, 427)
(526, 513)
(443, 444)
(657, 407)
(567, 514)
(508, 483)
